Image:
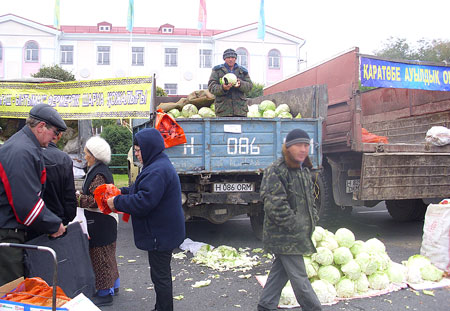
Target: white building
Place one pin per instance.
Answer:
(181, 58)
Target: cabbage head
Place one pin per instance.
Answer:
(375, 245)
(382, 259)
(195, 116)
(378, 280)
(266, 105)
(175, 112)
(396, 272)
(282, 108)
(311, 267)
(367, 263)
(189, 110)
(213, 107)
(342, 255)
(362, 283)
(287, 297)
(206, 112)
(323, 256)
(229, 78)
(344, 237)
(324, 290)
(431, 273)
(414, 264)
(298, 116)
(318, 233)
(358, 247)
(351, 269)
(328, 240)
(285, 115)
(345, 288)
(329, 273)
(253, 111)
(269, 114)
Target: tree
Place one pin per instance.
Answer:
(54, 72)
(435, 50)
(256, 91)
(120, 140)
(160, 92)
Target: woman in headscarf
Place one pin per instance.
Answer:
(102, 228)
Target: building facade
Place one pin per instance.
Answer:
(181, 58)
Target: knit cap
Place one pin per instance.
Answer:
(99, 148)
(229, 53)
(297, 136)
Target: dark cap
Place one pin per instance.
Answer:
(47, 114)
(229, 53)
(297, 136)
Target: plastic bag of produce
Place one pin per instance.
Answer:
(436, 235)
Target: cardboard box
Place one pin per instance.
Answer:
(79, 303)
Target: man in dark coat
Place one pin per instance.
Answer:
(154, 203)
(230, 99)
(22, 183)
(289, 221)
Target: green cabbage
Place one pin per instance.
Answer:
(253, 111)
(375, 245)
(344, 237)
(266, 105)
(323, 256)
(195, 116)
(345, 288)
(362, 283)
(282, 108)
(285, 115)
(269, 114)
(431, 273)
(229, 78)
(324, 290)
(189, 110)
(342, 255)
(206, 112)
(298, 116)
(351, 269)
(328, 240)
(287, 297)
(329, 273)
(378, 280)
(414, 264)
(318, 233)
(358, 247)
(175, 112)
(213, 107)
(310, 266)
(367, 263)
(396, 272)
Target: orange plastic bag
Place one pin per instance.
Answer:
(372, 138)
(101, 195)
(172, 133)
(36, 291)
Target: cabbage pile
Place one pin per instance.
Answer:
(345, 267)
(191, 111)
(268, 109)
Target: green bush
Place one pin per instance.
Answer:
(120, 140)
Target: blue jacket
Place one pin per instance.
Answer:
(154, 200)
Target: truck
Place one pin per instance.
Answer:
(407, 172)
(221, 164)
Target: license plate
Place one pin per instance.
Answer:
(234, 187)
(351, 185)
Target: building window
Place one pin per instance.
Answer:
(205, 58)
(31, 52)
(103, 55)
(203, 86)
(104, 28)
(137, 56)
(67, 54)
(171, 88)
(274, 59)
(242, 57)
(171, 57)
(167, 30)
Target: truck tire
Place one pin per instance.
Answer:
(323, 194)
(257, 222)
(406, 210)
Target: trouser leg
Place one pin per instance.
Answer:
(296, 273)
(276, 281)
(161, 275)
(11, 258)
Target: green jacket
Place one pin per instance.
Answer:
(232, 102)
(290, 215)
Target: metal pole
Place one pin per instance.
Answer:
(41, 248)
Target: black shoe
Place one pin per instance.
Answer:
(116, 291)
(101, 301)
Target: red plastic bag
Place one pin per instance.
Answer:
(372, 138)
(101, 195)
(172, 133)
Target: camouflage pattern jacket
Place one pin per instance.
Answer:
(232, 102)
(290, 215)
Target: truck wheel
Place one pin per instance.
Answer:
(257, 222)
(406, 210)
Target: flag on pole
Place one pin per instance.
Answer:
(202, 16)
(130, 19)
(56, 22)
(261, 22)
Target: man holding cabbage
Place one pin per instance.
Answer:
(229, 82)
(289, 221)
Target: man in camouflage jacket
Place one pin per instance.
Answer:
(289, 221)
(230, 99)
